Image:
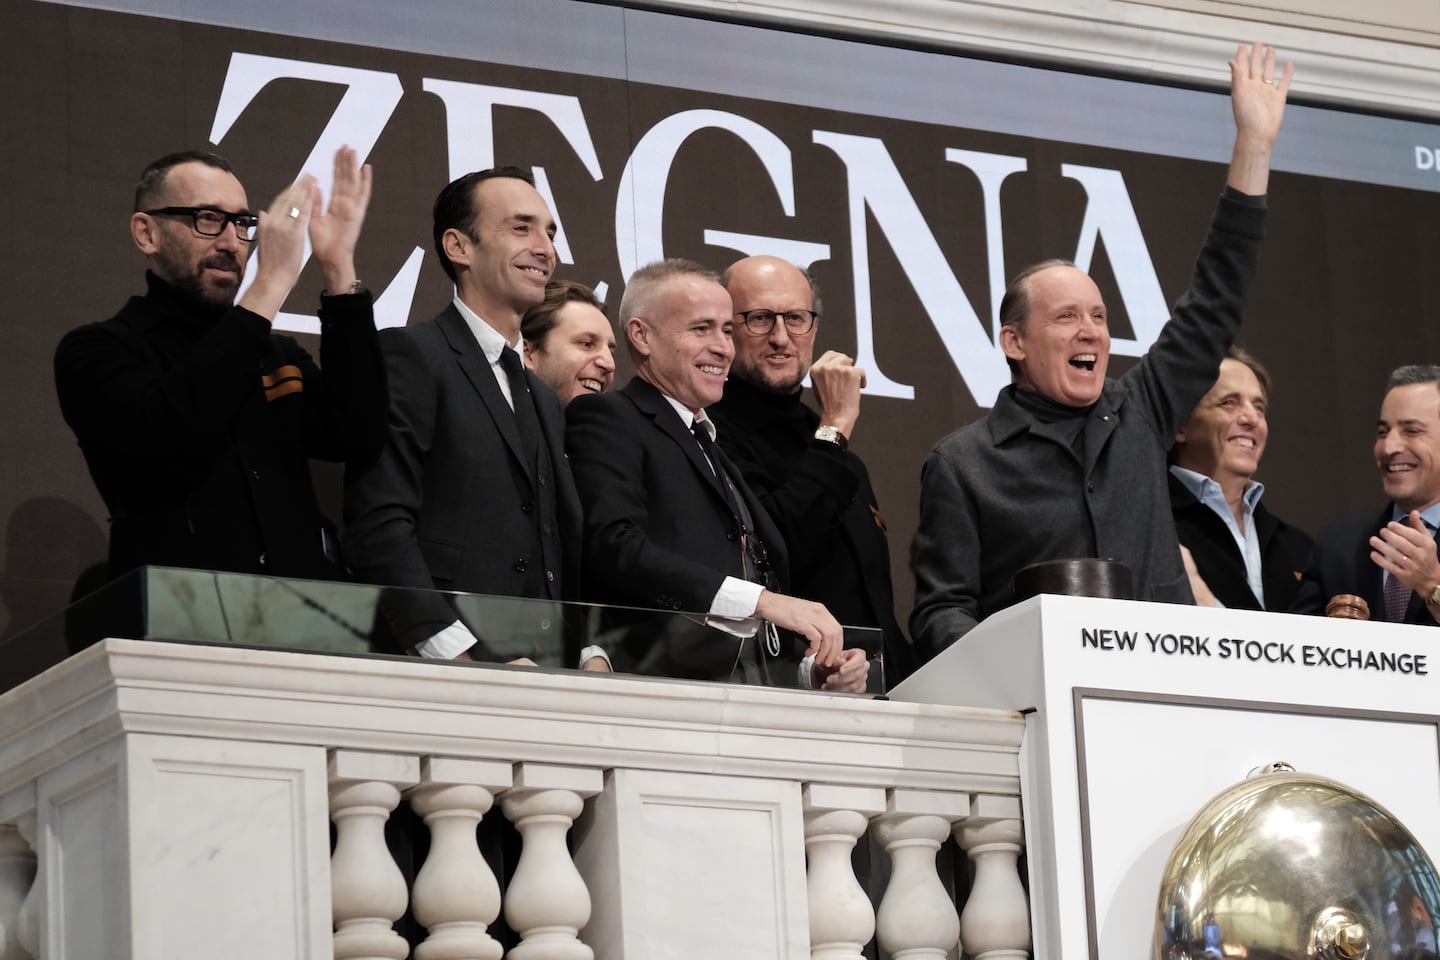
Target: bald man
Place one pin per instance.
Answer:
(799, 462)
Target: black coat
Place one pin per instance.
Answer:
(198, 424)
(659, 532)
(452, 503)
(1340, 563)
(821, 499)
(1283, 550)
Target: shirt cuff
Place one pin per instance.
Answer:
(595, 650)
(448, 643)
(807, 675)
(736, 598)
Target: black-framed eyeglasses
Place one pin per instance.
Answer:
(797, 322)
(210, 222)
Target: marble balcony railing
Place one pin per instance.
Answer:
(163, 800)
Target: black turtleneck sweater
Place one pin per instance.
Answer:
(197, 423)
(821, 499)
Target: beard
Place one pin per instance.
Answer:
(193, 280)
(756, 377)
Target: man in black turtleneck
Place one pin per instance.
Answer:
(1070, 464)
(798, 462)
(198, 422)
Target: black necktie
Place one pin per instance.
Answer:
(525, 418)
(753, 550)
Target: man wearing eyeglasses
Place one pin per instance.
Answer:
(799, 462)
(196, 420)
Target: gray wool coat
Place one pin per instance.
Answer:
(1007, 491)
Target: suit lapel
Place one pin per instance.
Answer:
(654, 405)
(478, 371)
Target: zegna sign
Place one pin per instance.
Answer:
(874, 189)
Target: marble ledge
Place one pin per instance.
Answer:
(399, 706)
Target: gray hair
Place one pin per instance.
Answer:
(1413, 373)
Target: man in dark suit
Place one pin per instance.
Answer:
(1238, 554)
(669, 521)
(472, 492)
(799, 462)
(1389, 560)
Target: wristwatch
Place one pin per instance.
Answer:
(1433, 600)
(356, 287)
(833, 435)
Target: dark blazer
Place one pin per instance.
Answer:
(1283, 550)
(1340, 563)
(658, 532)
(451, 502)
(198, 424)
(821, 498)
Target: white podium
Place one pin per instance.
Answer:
(1138, 713)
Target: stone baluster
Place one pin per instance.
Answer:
(995, 923)
(367, 888)
(917, 919)
(547, 902)
(842, 921)
(19, 934)
(456, 896)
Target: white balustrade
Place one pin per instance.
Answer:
(917, 918)
(701, 787)
(367, 888)
(18, 933)
(455, 895)
(547, 902)
(995, 923)
(842, 921)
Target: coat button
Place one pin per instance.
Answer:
(549, 576)
(527, 506)
(1090, 486)
(520, 566)
(731, 535)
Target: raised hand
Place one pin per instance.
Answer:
(1257, 99)
(335, 232)
(280, 243)
(837, 382)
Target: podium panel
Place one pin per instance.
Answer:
(1139, 713)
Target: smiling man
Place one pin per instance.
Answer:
(1242, 556)
(569, 342)
(197, 421)
(1069, 463)
(1390, 559)
(799, 461)
(472, 492)
(669, 522)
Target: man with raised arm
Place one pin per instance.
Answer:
(196, 420)
(1068, 463)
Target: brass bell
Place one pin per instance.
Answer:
(1293, 866)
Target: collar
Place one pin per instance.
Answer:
(686, 417)
(1431, 515)
(1007, 419)
(175, 302)
(1201, 486)
(757, 406)
(492, 342)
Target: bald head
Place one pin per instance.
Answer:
(778, 359)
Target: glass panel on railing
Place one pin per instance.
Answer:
(200, 606)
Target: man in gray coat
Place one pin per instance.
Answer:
(1069, 463)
